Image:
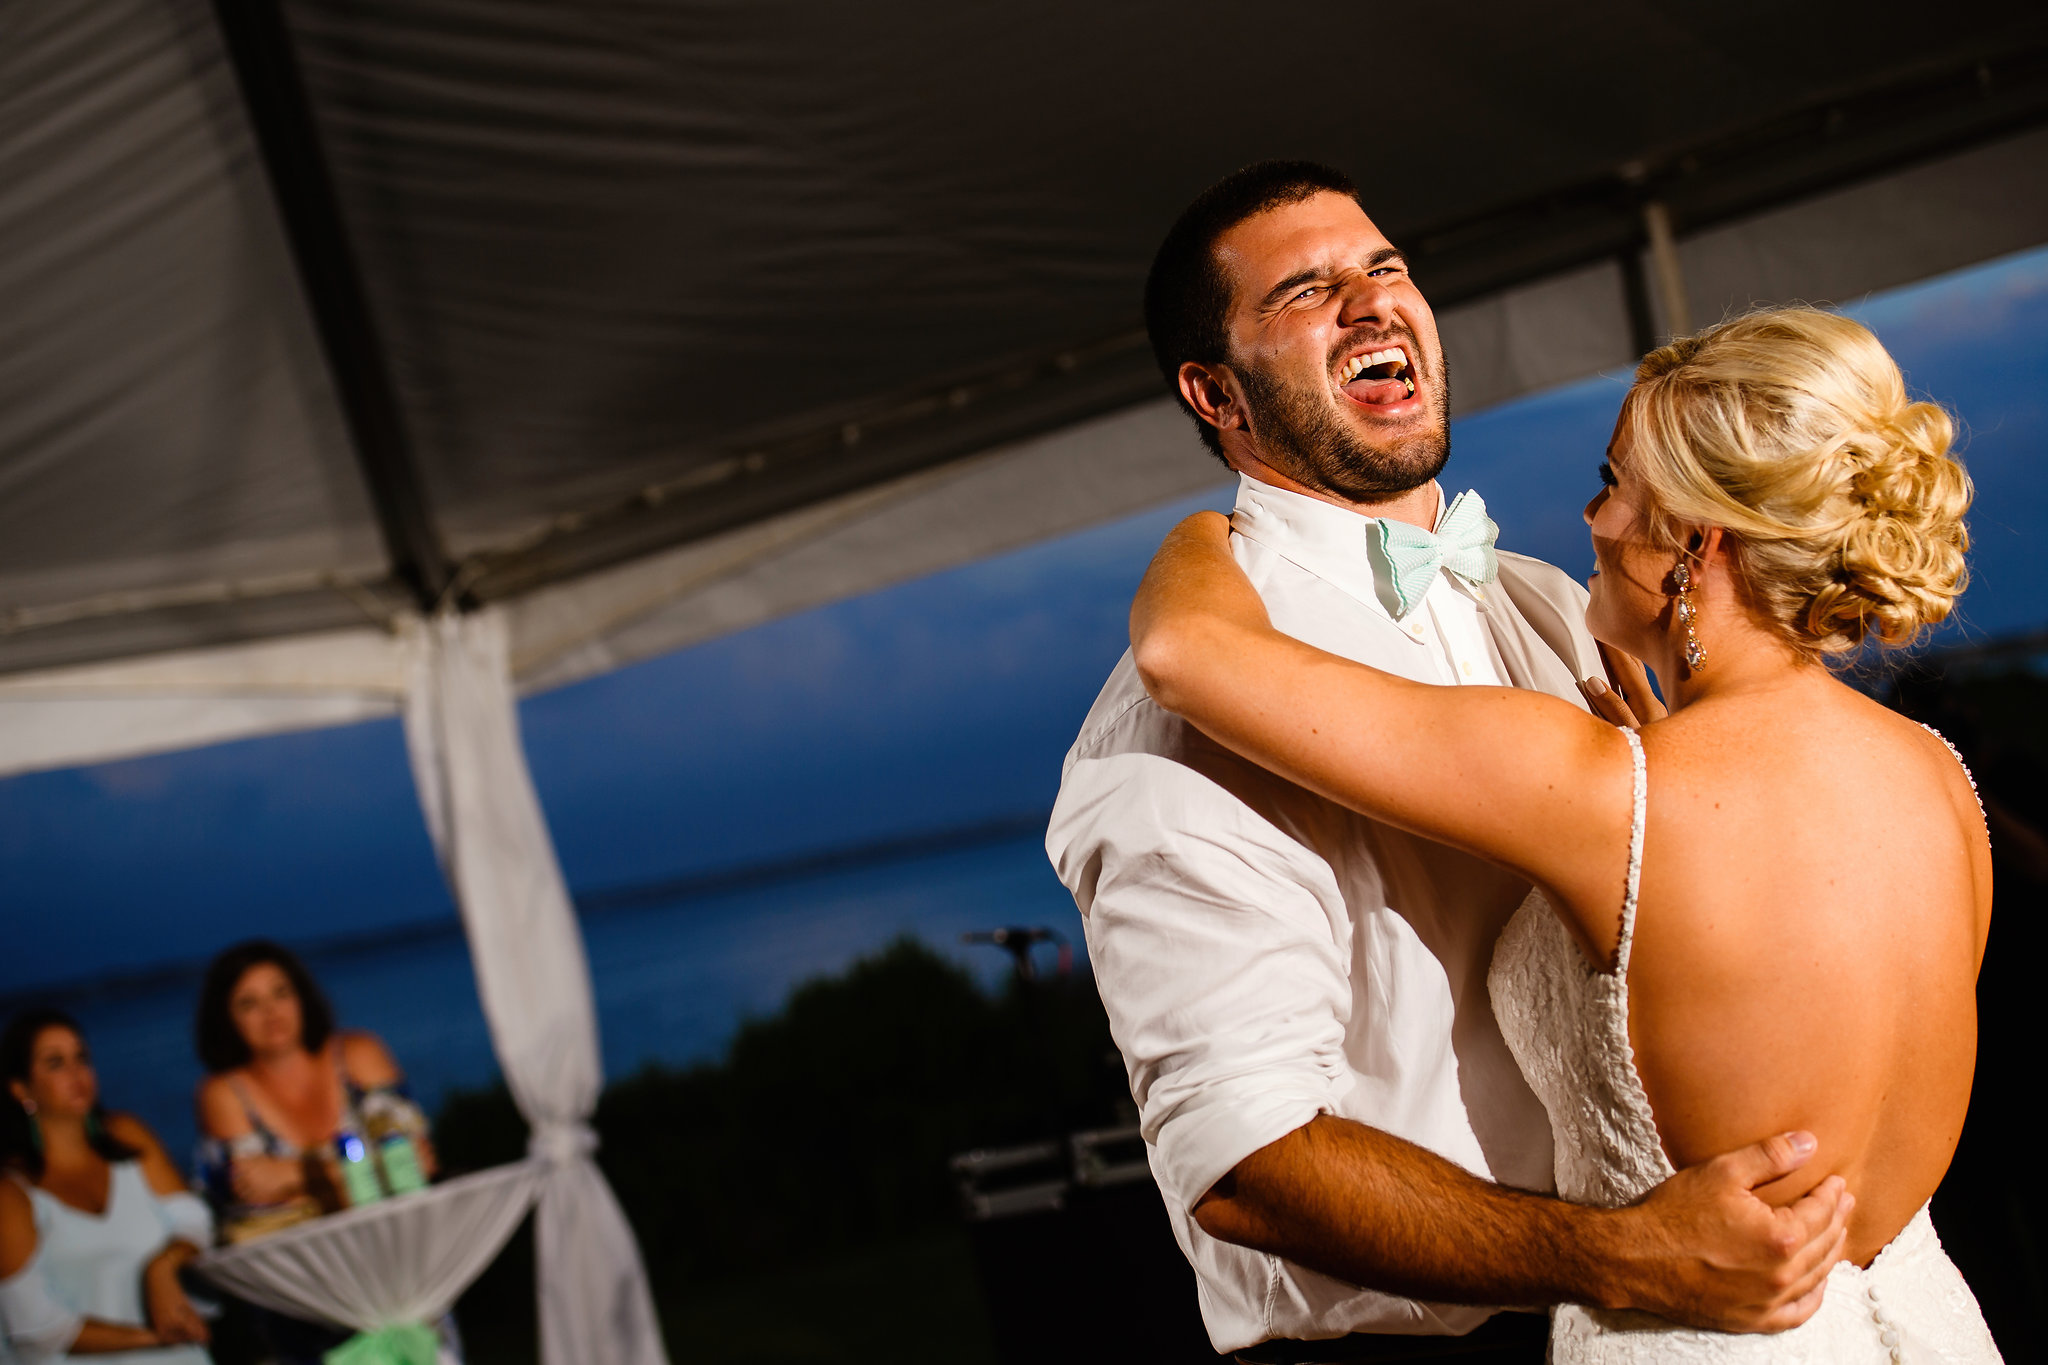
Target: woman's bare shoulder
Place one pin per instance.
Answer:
(221, 1111)
(158, 1169)
(133, 1131)
(17, 1226)
(213, 1088)
(1818, 732)
(1902, 746)
(366, 1059)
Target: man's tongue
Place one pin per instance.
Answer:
(1366, 389)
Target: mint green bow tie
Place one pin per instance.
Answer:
(1408, 557)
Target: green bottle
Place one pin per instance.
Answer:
(401, 1164)
(358, 1169)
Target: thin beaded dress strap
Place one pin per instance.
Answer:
(1638, 818)
(1971, 777)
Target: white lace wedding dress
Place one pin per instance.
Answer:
(1567, 1023)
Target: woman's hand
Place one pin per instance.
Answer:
(1192, 597)
(266, 1179)
(1629, 703)
(430, 1163)
(171, 1314)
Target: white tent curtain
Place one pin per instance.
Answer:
(462, 730)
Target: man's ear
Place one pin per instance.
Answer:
(1211, 390)
(20, 1093)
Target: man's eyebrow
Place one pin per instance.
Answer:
(1384, 256)
(1294, 282)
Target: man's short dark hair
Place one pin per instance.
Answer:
(1187, 295)
(220, 1044)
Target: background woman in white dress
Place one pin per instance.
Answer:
(95, 1220)
(1812, 870)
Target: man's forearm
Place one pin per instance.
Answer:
(1701, 1248)
(1378, 1211)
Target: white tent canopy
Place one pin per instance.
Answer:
(316, 313)
(403, 358)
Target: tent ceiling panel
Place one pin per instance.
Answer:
(1969, 207)
(1545, 332)
(615, 243)
(966, 510)
(203, 616)
(166, 424)
(1985, 202)
(97, 713)
(647, 275)
(1550, 331)
(1974, 205)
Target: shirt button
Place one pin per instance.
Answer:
(1415, 629)
(1465, 667)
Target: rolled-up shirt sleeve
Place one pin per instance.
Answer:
(1220, 943)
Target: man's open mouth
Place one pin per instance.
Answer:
(1378, 378)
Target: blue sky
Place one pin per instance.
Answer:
(941, 702)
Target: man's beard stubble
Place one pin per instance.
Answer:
(1300, 435)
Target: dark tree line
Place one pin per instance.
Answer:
(826, 1128)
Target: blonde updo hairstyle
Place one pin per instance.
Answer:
(1791, 429)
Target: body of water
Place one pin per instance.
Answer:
(673, 980)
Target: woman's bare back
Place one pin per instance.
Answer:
(1816, 892)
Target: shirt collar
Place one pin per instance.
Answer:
(1328, 541)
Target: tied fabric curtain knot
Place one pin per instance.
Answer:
(1410, 558)
(558, 1144)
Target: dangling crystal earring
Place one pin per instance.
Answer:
(1688, 613)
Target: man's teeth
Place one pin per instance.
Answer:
(1353, 367)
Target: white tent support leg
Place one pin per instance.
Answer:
(462, 731)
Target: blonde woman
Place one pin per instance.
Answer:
(1763, 912)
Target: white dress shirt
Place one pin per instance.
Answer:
(1266, 956)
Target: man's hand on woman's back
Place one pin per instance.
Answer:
(1704, 1250)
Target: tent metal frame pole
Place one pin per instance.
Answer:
(1635, 294)
(260, 47)
(1664, 259)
